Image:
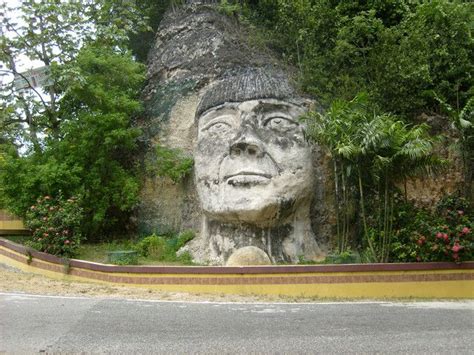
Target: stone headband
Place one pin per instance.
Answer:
(252, 84)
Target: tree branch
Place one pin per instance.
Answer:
(29, 85)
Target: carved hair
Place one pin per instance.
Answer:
(248, 84)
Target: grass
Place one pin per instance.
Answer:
(152, 250)
(98, 253)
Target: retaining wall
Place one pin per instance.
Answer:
(10, 224)
(417, 280)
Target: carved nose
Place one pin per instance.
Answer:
(246, 144)
(243, 148)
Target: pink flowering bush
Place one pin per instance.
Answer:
(55, 225)
(453, 240)
(447, 235)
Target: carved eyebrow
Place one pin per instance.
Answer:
(225, 106)
(263, 106)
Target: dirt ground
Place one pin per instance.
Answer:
(16, 281)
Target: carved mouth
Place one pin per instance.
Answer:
(247, 178)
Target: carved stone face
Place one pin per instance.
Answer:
(253, 163)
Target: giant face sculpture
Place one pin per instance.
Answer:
(253, 163)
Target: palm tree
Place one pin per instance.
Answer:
(382, 151)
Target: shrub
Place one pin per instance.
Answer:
(123, 257)
(164, 248)
(444, 236)
(172, 163)
(152, 245)
(55, 225)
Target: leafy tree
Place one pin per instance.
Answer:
(51, 33)
(140, 42)
(397, 51)
(372, 153)
(76, 131)
(429, 51)
(462, 120)
(94, 156)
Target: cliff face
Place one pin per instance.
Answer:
(195, 47)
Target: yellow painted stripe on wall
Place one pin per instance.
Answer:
(12, 225)
(365, 273)
(428, 289)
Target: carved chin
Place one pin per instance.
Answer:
(253, 204)
(254, 211)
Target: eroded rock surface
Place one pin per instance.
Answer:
(248, 256)
(257, 182)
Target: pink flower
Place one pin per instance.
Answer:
(466, 230)
(460, 212)
(421, 241)
(456, 256)
(456, 248)
(45, 234)
(66, 242)
(445, 237)
(439, 235)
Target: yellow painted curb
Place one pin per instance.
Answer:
(461, 286)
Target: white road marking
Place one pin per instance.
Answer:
(462, 305)
(457, 304)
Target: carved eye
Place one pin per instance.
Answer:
(217, 127)
(281, 124)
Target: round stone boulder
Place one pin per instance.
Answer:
(247, 256)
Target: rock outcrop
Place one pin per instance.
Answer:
(201, 62)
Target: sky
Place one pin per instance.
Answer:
(23, 63)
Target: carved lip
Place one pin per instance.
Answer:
(247, 178)
(248, 173)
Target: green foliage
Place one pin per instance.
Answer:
(55, 224)
(123, 257)
(164, 248)
(229, 8)
(171, 163)
(142, 39)
(52, 33)
(443, 235)
(92, 156)
(346, 257)
(152, 245)
(462, 120)
(397, 51)
(75, 132)
(371, 153)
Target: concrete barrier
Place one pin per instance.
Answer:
(411, 280)
(10, 224)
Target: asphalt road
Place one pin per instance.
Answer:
(70, 324)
